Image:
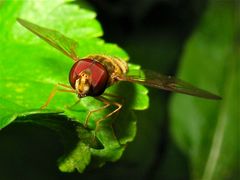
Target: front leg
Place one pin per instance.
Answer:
(55, 90)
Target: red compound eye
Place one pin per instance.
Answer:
(99, 75)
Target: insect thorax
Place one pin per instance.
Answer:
(115, 66)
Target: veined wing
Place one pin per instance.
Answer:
(169, 83)
(64, 44)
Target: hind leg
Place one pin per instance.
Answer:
(106, 101)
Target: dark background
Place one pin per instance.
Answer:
(153, 32)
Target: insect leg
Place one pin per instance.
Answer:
(54, 91)
(118, 105)
(65, 86)
(96, 110)
(71, 106)
(115, 96)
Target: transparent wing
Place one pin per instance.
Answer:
(169, 83)
(64, 44)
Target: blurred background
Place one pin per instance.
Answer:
(154, 34)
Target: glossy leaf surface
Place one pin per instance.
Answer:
(29, 69)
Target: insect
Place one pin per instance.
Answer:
(91, 75)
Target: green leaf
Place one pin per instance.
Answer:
(79, 158)
(78, 22)
(29, 69)
(207, 130)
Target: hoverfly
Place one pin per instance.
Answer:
(91, 75)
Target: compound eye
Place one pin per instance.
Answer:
(94, 72)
